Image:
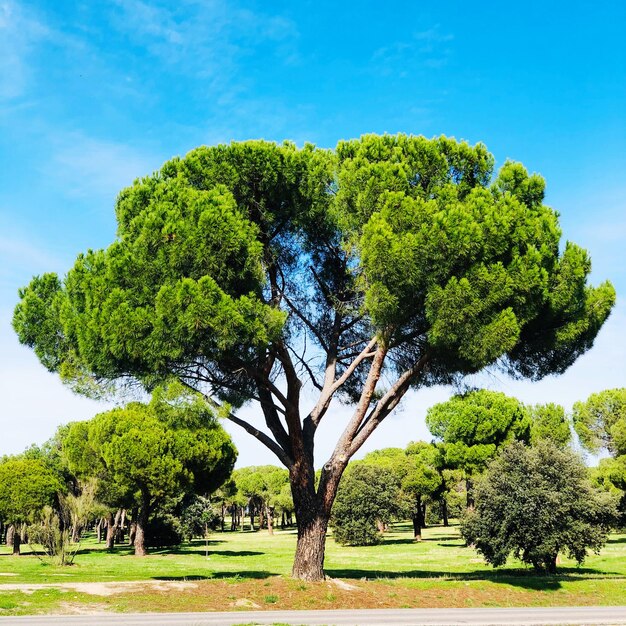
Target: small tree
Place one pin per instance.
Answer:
(600, 421)
(610, 475)
(369, 496)
(473, 426)
(27, 486)
(549, 421)
(153, 452)
(537, 502)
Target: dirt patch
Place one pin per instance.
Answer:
(106, 589)
(70, 608)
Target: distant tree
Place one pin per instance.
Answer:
(27, 486)
(610, 475)
(398, 262)
(600, 421)
(262, 486)
(369, 497)
(473, 426)
(152, 452)
(535, 502)
(549, 421)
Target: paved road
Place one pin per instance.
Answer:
(373, 617)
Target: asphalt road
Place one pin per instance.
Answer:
(373, 617)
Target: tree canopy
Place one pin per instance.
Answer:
(600, 421)
(536, 502)
(146, 453)
(248, 270)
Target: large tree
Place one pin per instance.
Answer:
(248, 271)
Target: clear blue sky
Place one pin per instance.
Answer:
(94, 94)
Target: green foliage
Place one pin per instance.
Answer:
(549, 421)
(144, 454)
(197, 518)
(422, 244)
(163, 531)
(473, 425)
(537, 502)
(26, 487)
(367, 496)
(600, 422)
(610, 475)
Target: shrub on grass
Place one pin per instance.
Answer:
(537, 502)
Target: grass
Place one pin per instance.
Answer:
(251, 570)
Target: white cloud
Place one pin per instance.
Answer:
(429, 49)
(19, 33)
(86, 166)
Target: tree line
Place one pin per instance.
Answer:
(158, 473)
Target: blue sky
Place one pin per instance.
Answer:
(94, 94)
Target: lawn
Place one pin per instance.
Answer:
(251, 570)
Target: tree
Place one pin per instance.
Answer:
(536, 502)
(549, 421)
(27, 486)
(610, 475)
(250, 270)
(473, 426)
(151, 453)
(600, 421)
(369, 497)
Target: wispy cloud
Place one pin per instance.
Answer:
(428, 49)
(20, 32)
(204, 39)
(87, 166)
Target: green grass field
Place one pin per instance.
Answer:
(250, 570)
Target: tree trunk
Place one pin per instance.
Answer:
(312, 520)
(10, 533)
(444, 511)
(17, 542)
(110, 531)
(140, 532)
(309, 560)
(469, 493)
(269, 514)
(418, 518)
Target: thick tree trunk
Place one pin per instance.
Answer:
(140, 533)
(418, 519)
(110, 531)
(99, 530)
(10, 533)
(312, 516)
(309, 560)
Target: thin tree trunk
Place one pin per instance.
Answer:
(269, 514)
(418, 519)
(17, 541)
(444, 511)
(251, 508)
(469, 493)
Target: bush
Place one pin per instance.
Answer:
(163, 532)
(367, 496)
(535, 503)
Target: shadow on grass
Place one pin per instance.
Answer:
(617, 540)
(527, 579)
(201, 552)
(237, 576)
